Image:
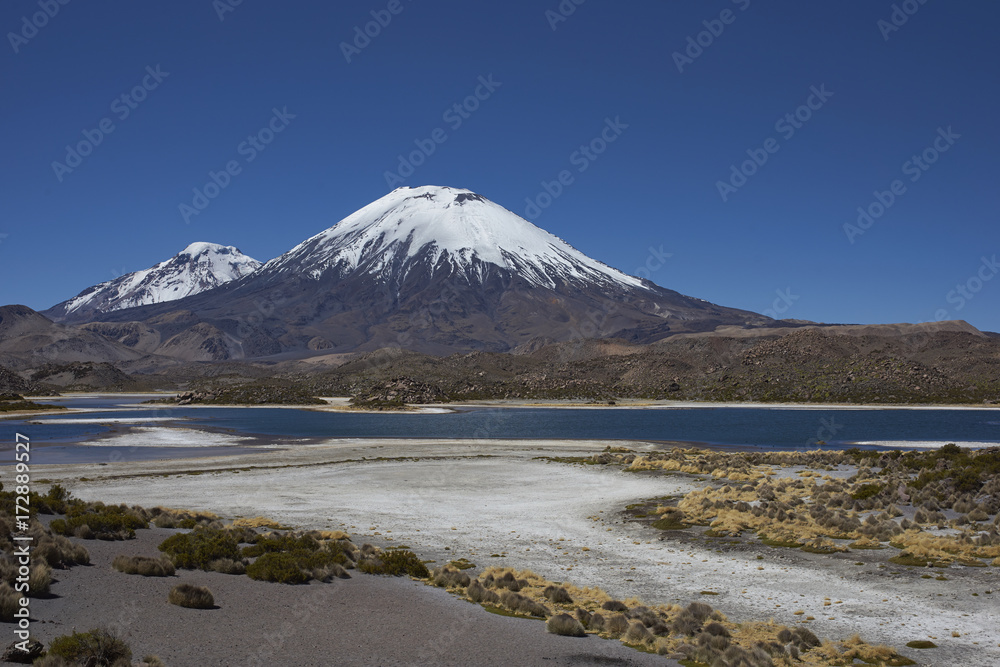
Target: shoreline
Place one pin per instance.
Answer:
(340, 404)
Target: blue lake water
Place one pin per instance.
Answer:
(769, 428)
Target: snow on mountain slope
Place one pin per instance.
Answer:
(199, 267)
(446, 229)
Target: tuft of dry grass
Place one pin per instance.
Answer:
(39, 579)
(147, 567)
(450, 577)
(191, 596)
(565, 625)
(259, 522)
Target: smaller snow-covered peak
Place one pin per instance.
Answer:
(451, 229)
(200, 247)
(199, 267)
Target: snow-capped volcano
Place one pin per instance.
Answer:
(446, 230)
(434, 269)
(197, 268)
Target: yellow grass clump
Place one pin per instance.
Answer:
(181, 514)
(257, 522)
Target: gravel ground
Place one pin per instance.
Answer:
(366, 620)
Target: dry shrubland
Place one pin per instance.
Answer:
(696, 632)
(938, 507)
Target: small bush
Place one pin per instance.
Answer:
(282, 568)
(396, 563)
(614, 605)
(97, 648)
(39, 579)
(9, 602)
(197, 549)
(805, 639)
(616, 625)
(921, 644)
(637, 633)
(558, 595)
(279, 543)
(448, 577)
(700, 610)
(480, 594)
(686, 623)
(508, 581)
(518, 603)
(227, 566)
(147, 567)
(718, 630)
(565, 625)
(190, 596)
(106, 522)
(329, 572)
(58, 551)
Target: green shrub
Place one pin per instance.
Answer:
(396, 563)
(197, 549)
(296, 567)
(101, 521)
(866, 491)
(191, 597)
(278, 543)
(282, 568)
(97, 648)
(670, 522)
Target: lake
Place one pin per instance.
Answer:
(60, 438)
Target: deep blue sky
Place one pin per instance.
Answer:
(656, 185)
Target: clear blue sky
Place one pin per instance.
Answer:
(656, 185)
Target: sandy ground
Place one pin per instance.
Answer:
(493, 503)
(366, 620)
